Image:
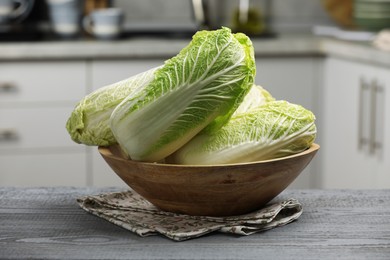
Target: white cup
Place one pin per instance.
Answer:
(104, 23)
(66, 25)
(65, 16)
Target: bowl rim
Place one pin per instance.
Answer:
(106, 151)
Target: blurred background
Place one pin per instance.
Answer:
(37, 20)
(331, 56)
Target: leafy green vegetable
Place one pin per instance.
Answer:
(273, 130)
(89, 121)
(256, 97)
(200, 87)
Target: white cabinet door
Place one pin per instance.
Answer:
(103, 175)
(344, 165)
(295, 80)
(31, 82)
(353, 125)
(43, 168)
(103, 73)
(36, 99)
(381, 151)
(36, 126)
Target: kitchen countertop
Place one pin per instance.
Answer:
(143, 47)
(47, 223)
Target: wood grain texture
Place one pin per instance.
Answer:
(212, 190)
(46, 223)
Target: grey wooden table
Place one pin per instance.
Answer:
(46, 223)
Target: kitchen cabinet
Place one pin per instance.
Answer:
(33, 83)
(356, 125)
(36, 98)
(43, 168)
(295, 79)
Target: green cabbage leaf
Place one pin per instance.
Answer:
(256, 97)
(89, 121)
(199, 88)
(272, 130)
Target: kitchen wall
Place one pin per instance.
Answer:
(286, 15)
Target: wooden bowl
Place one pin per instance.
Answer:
(217, 190)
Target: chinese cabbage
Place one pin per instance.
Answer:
(89, 121)
(256, 97)
(275, 129)
(200, 87)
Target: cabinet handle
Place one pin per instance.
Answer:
(7, 87)
(8, 134)
(362, 88)
(374, 91)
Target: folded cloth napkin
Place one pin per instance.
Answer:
(131, 211)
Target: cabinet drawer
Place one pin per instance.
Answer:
(42, 81)
(102, 174)
(43, 169)
(35, 127)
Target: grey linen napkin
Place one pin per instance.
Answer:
(132, 212)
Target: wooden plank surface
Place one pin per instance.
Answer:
(46, 223)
